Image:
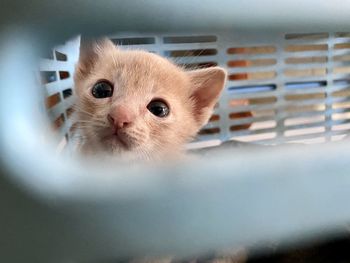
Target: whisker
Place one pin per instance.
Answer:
(81, 110)
(90, 126)
(91, 117)
(92, 122)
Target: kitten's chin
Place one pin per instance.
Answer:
(113, 148)
(126, 151)
(117, 149)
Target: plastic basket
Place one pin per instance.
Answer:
(288, 60)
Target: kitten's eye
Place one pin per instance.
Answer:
(158, 108)
(102, 89)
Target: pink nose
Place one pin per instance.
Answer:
(121, 117)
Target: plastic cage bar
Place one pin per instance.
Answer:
(60, 210)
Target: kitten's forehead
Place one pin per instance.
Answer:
(143, 70)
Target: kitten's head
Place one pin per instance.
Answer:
(139, 105)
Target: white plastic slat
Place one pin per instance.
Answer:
(240, 121)
(60, 108)
(251, 69)
(194, 59)
(53, 65)
(58, 86)
(189, 46)
(149, 47)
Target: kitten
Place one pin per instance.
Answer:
(137, 105)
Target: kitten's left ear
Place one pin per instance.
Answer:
(89, 53)
(206, 88)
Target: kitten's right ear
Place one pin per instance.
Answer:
(87, 58)
(206, 88)
(90, 50)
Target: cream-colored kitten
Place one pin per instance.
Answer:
(138, 105)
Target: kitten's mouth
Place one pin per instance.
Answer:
(121, 139)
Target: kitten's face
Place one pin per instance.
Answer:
(138, 105)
